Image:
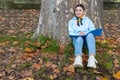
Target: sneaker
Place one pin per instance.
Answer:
(78, 62)
(92, 62)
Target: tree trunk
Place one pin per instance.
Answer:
(55, 14)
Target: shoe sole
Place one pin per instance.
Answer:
(91, 66)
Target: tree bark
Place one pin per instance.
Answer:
(55, 14)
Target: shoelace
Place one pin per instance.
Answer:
(92, 58)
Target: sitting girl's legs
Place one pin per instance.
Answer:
(78, 44)
(92, 50)
(91, 44)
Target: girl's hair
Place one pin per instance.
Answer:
(79, 5)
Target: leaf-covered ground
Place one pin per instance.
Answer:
(43, 59)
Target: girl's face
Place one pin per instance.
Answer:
(79, 11)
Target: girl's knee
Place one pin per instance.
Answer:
(90, 35)
(79, 39)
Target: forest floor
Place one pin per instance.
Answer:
(22, 58)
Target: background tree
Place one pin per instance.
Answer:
(55, 14)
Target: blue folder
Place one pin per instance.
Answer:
(96, 32)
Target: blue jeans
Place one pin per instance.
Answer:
(79, 42)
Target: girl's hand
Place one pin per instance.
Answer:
(82, 33)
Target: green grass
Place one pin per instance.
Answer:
(46, 59)
(51, 47)
(105, 59)
(68, 49)
(40, 72)
(25, 65)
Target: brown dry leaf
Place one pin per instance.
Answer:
(15, 43)
(28, 78)
(27, 43)
(104, 41)
(53, 66)
(28, 55)
(11, 31)
(37, 43)
(12, 49)
(116, 63)
(85, 57)
(13, 65)
(53, 76)
(43, 47)
(71, 59)
(36, 66)
(62, 47)
(26, 73)
(29, 50)
(57, 71)
(117, 75)
(71, 69)
(112, 53)
(101, 78)
(4, 43)
(11, 77)
(2, 51)
(2, 74)
(97, 72)
(40, 61)
(28, 36)
(48, 64)
(65, 69)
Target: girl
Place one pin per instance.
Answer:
(79, 27)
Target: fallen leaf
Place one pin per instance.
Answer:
(48, 64)
(12, 49)
(53, 66)
(29, 50)
(53, 76)
(28, 78)
(57, 71)
(37, 43)
(117, 75)
(71, 59)
(11, 31)
(28, 36)
(2, 51)
(11, 77)
(14, 65)
(40, 61)
(2, 74)
(27, 43)
(36, 66)
(28, 55)
(26, 73)
(104, 41)
(15, 43)
(65, 69)
(112, 53)
(4, 43)
(97, 72)
(116, 63)
(104, 79)
(71, 68)
(43, 47)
